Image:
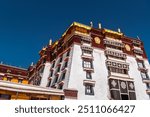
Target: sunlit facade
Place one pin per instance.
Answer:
(90, 63)
(97, 63)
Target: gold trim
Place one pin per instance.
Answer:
(112, 32)
(79, 25)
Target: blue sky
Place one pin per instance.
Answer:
(27, 25)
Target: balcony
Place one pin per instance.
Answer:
(119, 65)
(115, 54)
(87, 39)
(136, 42)
(138, 51)
(113, 43)
(83, 47)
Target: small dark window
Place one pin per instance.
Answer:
(51, 74)
(144, 75)
(68, 53)
(55, 80)
(63, 76)
(88, 75)
(60, 87)
(89, 89)
(140, 64)
(19, 80)
(148, 85)
(37, 81)
(60, 60)
(44, 60)
(9, 79)
(66, 64)
(58, 69)
(49, 83)
(124, 97)
(53, 64)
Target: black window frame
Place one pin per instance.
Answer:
(89, 89)
(87, 64)
(88, 75)
(68, 53)
(147, 77)
(49, 83)
(142, 63)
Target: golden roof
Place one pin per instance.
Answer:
(112, 32)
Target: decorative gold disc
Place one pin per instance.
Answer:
(127, 47)
(97, 40)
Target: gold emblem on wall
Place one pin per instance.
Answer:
(97, 40)
(127, 47)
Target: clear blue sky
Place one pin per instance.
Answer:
(27, 25)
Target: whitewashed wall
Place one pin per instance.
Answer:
(140, 87)
(77, 75)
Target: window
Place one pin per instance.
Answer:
(124, 97)
(41, 71)
(86, 41)
(87, 52)
(148, 85)
(55, 80)
(88, 75)
(60, 60)
(37, 81)
(114, 47)
(68, 53)
(66, 64)
(113, 54)
(141, 64)
(60, 87)
(117, 70)
(58, 69)
(89, 89)
(49, 83)
(44, 60)
(19, 80)
(63, 76)
(53, 64)
(87, 64)
(144, 75)
(9, 79)
(51, 74)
